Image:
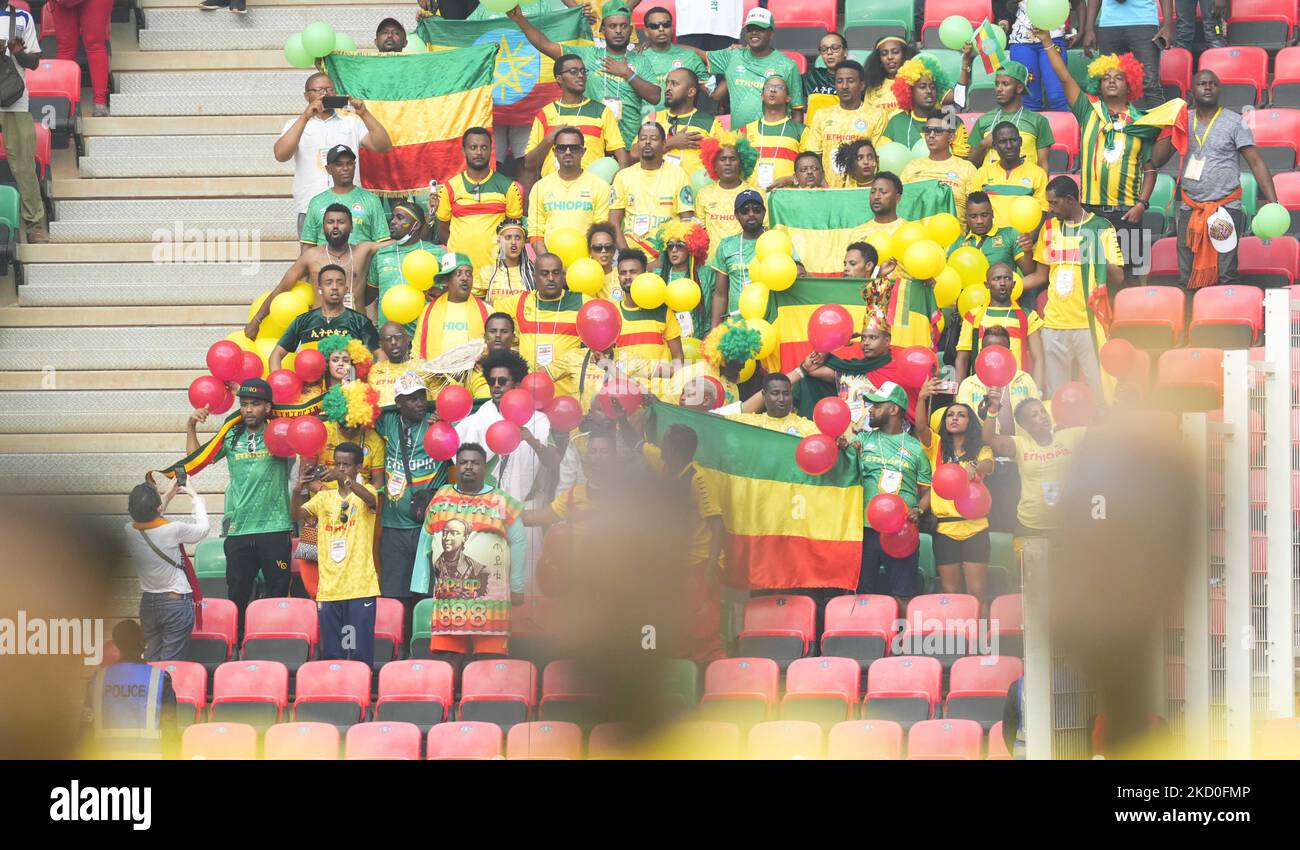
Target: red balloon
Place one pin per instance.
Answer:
(832, 416)
(441, 441)
(285, 387)
(975, 502)
(453, 403)
(517, 406)
(252, 366)
(916, 364)
(1072, 405)
(995, 365)
(540, 386)
(901, 543)
(309, 365)
(817, 454)
(565, 413)
(829, 328)
(503, 437)
(225, 360)
(212, 392)
(599, 323)
(627, 393)
(307, 435)
(886, 512)
(276, 436)
(1118, 357)
(949, 480)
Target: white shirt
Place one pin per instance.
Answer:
(156, 575)
(522, 466)
(25, 29)
(710, 17)
(342, 127)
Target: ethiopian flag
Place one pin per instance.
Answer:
(785, 528)
(789, 310)
(989, 41)
(427, 101)
(523, 80)
(822, 223)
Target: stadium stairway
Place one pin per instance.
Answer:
(110, 324)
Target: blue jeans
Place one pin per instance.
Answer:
(1043, 83)
(167, 620)
(347, 629)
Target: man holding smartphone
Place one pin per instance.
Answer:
(1132, 26)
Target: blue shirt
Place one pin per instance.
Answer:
(1131, 13)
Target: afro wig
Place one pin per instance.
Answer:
(921, 65)
(352, 405)
(690, 232)
(709, 153)
(361, 357)
(1132, 69)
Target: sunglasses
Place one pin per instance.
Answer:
(580, 70)
(568, 148)
(604, 246)
(497, 382)
(663, 26)
(930, 131)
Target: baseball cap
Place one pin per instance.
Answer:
(749, 196)
(338, 151)
(759, 18)
(614, 8)
(408, 384)
(452, 261)
(1014, 70)
(1221, 230)
(389, 22)
(889, 391)
(255, 388)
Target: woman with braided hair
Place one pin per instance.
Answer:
(882, 66)
(511, 270)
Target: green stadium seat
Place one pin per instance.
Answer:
(1002, 563)
(929, 573)
(421, 629)
(209, 558)
(1078, 67)
(1159, 216)
(981, 96)
(681, 683)
(1249, 197)
(868, 21)
(10, 225)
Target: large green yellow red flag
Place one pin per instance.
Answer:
(785, 528)
(788, 312)
(523, 79)
(426, 101)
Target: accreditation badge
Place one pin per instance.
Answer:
(396, 483)
(890, 480)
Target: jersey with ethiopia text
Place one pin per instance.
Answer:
(401, 439)
(386, 272)
(257, 498)
(308, 329)
(891, 463)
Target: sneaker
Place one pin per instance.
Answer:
(100, 111)
(37, 236)
(237, 6)
(209, 5)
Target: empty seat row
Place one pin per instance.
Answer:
(1224, 316)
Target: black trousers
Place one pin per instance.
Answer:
(248, 554)
(1137, 40)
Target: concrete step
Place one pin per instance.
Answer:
(229, 103)
(93, 473)
(103, 317)
(127, 294)
(237, 250)
(173, 187)
(270, 37)
(147, 147)
(148, 274)
(158, 379)
(105, 442)
(276, 17)
(217, 82)
(41, 413)
(127, 230)
(194, 125)
(263, 164)
(101, 505)
(35, 349)
(152, 212)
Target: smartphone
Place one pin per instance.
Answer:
(949, 387)
(181, 475)
(339, 102)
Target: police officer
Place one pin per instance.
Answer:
(130, 706)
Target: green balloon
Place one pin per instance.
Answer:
(318, 38)
(343, 43)
(500, 5)
(700, 179)
(296, 54)
(1000, 37)
(893, 156)
(920, 148)
(1048, 14)
(605, 168)
(1271, 221)
(955, 31)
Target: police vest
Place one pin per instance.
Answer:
(128, 711)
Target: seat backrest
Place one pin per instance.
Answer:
(1065, 129)
(942, 612)
(1161, 305)
(464, 740)
(1164, 256)
(10, 206)
(301, 741)
(382, 740)
(422, 619)
(1264, 10)
(545, 739)
(1281, 253)
(1280, 127)
(905, 673)
(975, 12)
(334, 680)
(282, 616)
(607, 740)
(987, 673)
(826, 675)
(219, 740)
(564, 679)
(416, 677)
(263, 681)
(220, 617)
(1238, 64)
(945, 739)
(1232, 303)
(873, 612)
(785, 739)
(786, 12)
(638, 14)
(1176, 67)
(796, 613)
(1007, 613)
(742, 676)
(997, 744)
(865, 739)
(800, 61)
(389, 615)
(1191, 367)
(189, 680)
(55, 77)
(1286, 65)
(500, 677)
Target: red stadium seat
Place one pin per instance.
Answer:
(607, 741)
(281, 629)
(499, 691)
(54, 90)
(1190, 378)
(977, 688)
(224, 741)
(389, 634)
(382, 741)
(1149, 316)
(468, 740)
(944, 740)
(335, 692)
(785, 740)
(936, 11)
(415, 691)
(825, 690)
(1226, 316)
(941, 625)
(902, 688)
(301, 742)
(778, 627)
(741, 690)
(1243, 71)
(1064, 153)
(212, 644)
(1288, 195)
(254, 692)
(1176, 71)
(1268, 262)
(567, 697)
(1279, 739)
(1265, 23)
(865, 739)
(860, 627)
(190, 682)
(43, 155)
(802, 23)
(1277, 137)
(638, 14)
(1164, 262)
(1007, 625)
(997, 746)
(544, 739)
(1285, 90)
(800, 61)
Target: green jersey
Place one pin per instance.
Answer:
(891, 463)
(402, 439)
(1035, 131)
(1000, 246)
(257, 499)
(311, 327)
(615, 92)
(732, 257)
(369, 216)
(386, 271)
(746, 73)
(671, 59)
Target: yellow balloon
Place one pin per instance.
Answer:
(881, 242)
(418, 269)
(768, 335)
(585, 276)
(773, 242)
(690, 348)
(903, 237)
(649, 290)
(923, 259)
(753, 301)
(403, 303)
(746, 371)
(943, 228)
(264, 347)
(304, 290)
(287, 362)
(683, 294)
(239, 339)
(257, 304)
(947, 286)
(777, 272)
(970, 264)
(288, 306)
(1024, 214)
(972, 298)
(271, 329)
(1018, 289)
(566, 243)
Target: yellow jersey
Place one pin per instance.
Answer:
(649, 198)
(556, 203)
(834, 126)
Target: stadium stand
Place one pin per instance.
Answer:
(865, 739)
(301, 742)
(226, 741)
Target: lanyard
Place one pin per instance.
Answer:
(762, 134)
(1200, 140)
